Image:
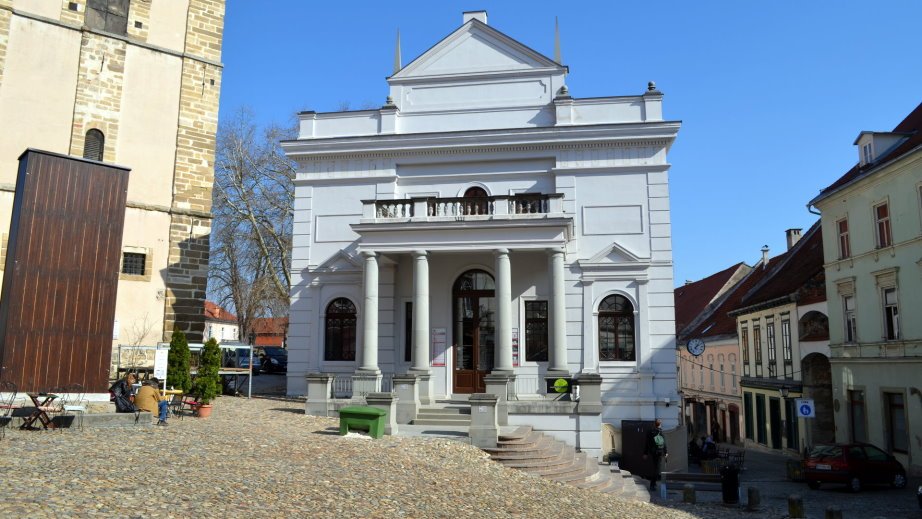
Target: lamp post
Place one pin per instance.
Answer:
(784, 392)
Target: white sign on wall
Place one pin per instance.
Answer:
(439, 346)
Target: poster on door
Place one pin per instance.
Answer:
(515, 347)
(439, 346)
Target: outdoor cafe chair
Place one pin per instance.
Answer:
(73, 402)
(190, 402)
(8, 391)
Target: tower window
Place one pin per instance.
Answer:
(94, 144)
(108, 15)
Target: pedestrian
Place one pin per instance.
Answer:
(655, 448)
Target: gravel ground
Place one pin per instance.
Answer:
(261, 457)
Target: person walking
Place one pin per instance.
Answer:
(655, 448)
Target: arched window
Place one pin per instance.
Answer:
(339, 340)
(94, 144)
(479, 202)
(616, 329)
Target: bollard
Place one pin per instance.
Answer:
(833, 512)
(795, 506)
(688, 493)
(753, 500)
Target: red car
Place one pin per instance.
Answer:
(854, 464)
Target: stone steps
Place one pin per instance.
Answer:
(454, 415)
(548, 458)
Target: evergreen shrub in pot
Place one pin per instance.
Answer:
(207, 384)
(177, 373)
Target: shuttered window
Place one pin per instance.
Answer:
(94, 144)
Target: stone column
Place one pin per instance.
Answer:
(386, 402)
(319, 391)
(503, 353)
(406, 387)
(370, 320)
(484, 431)
(420, 357)
(557, 364)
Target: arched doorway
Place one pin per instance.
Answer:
(817, 380)
(474, 315)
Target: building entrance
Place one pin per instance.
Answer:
(474, 318)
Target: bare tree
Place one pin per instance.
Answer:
(253, 209)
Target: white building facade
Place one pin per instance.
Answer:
(483, 222)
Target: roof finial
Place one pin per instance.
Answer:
(397, 65)
(556, 41)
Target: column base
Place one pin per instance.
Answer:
(425, 385)
(364, 382)
(406, 388)
(501, 384)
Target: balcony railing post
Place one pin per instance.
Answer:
(500, 205)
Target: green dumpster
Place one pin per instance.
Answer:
(362, 418)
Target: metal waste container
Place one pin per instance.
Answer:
(730, 484)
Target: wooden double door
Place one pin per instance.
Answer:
(474, 324)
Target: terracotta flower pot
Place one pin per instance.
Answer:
(203, 411)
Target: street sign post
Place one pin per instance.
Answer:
(805, 407)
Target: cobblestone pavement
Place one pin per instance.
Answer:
(767, 472)
(264, 457)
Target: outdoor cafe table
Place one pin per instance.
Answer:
(41, 400)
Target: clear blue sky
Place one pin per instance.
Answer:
(771, 94)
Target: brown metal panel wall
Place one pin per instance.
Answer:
(59, 289)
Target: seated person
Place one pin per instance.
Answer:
(148, 399)
(123, 394)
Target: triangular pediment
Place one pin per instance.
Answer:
(342, 261)
(615, 254)
(475, 48)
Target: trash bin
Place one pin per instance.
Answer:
(730, 484)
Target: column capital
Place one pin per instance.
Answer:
(556, 250)
(369, 254)
(419, 253)
(501, 252)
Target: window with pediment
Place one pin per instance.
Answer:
(616, 329)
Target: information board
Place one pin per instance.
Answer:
(439, 346)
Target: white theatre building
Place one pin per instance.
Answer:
(484, 223)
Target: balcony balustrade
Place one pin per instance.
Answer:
(423, 209)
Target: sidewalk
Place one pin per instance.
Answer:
(767, 471)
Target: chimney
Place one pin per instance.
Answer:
(764, 256)
(480, 16)
(793, 236)
(688, 282)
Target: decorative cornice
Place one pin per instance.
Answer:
(552, 138)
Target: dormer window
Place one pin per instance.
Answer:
(866, 154)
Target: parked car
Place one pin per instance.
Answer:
(274, 359)
(240, 358)
(854, 464)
